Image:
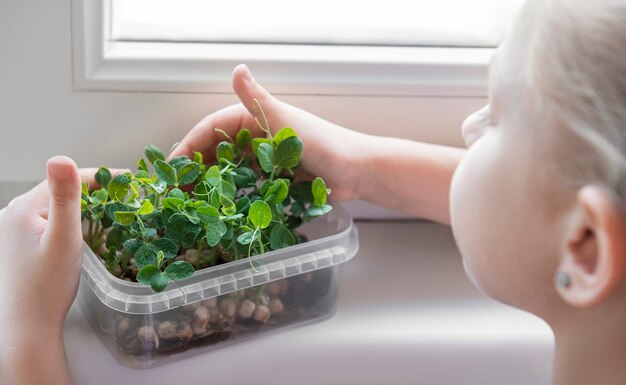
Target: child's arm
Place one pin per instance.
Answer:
(401, 174)
(410, 176)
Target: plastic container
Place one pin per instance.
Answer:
(220, 305)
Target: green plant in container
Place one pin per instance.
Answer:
(171, 218)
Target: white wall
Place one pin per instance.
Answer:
(41, 115)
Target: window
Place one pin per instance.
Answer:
(344, 47)
(451, 23)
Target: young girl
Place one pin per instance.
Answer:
(537, 203)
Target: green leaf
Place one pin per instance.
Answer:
(248, 237)
(234, 217)
(176, 193)
(111, 207)
(228, 189)
(243, 204)
(265, 186)
(142, 166)
(167, 246)
(188, 173)
(159, 282)
(244, 177)
(265, 154)
(133, 244)
(228, 206)
(206, 213)
(172, 203)
(134, 191)
(215, 198)
(124, 217)
(165, 172)
(316, 211)
(189, 240)
(201, 191)
(115, 238)
(190, 212)
(197, 157)
(192, 228)
(225, 152)
(118, 187)
(143, 176)
(229, 234)
(215, 229)
(146, 273)
(260, 214)
(150, 232)
(288, 152)
(146, 255)
(111, 260)
(319, 191)
(277, 192)
(153, 153)
(179, 162)
(179, 270)
(213, 176)
(175, 228)
(167, 214)
(284, 133)
(103, 177)
(99, 197)
(281, 237)
(256, 142)
(243, 139)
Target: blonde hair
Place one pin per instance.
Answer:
(577, 65)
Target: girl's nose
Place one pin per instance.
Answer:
(474, 126)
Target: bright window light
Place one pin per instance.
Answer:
(449, 23)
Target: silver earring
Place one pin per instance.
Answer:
(562, 279)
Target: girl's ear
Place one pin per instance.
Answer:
(593, 258)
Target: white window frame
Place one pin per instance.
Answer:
(103, 65)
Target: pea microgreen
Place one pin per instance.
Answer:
(157, 227)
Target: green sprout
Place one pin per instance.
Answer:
(159, 227)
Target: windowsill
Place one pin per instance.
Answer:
(293, 69)
(406, 314)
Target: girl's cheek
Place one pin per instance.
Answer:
(474, 126)
(472, 209)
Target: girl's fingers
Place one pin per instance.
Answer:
(88, 175)
(253, 95)
(63, 229)
(204, 138)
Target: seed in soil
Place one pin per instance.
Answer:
(246, 309)
(262, 314)
(276, 306)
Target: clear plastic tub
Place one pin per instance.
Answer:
(220, 305)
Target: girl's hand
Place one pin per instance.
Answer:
(40, 257)
(330, 151)
(40, 260)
